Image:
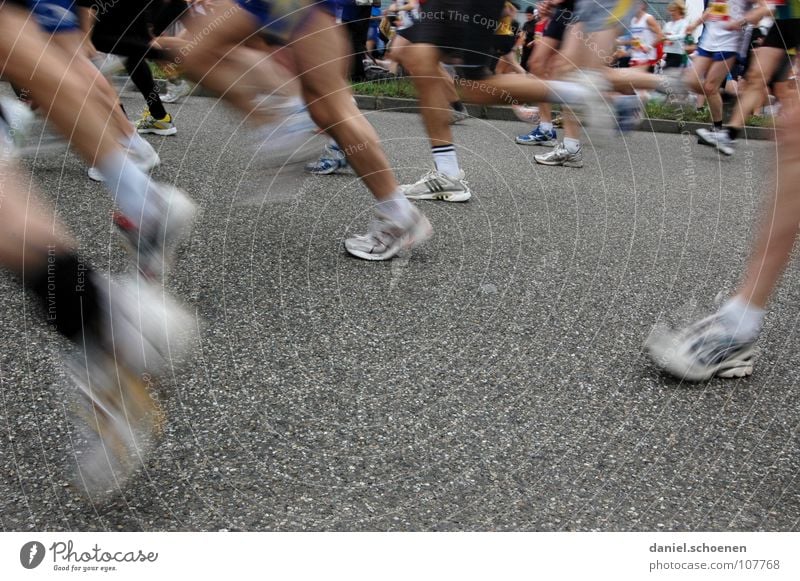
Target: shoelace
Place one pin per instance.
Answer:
(380, 231)
(711, 343)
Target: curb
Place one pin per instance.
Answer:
(497, 113)
(491, 112)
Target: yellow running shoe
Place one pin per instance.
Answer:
(149, 124)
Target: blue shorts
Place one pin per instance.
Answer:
(718, 55)
(54, 16)
(278, 19)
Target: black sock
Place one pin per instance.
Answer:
(733, 132)
(717, 125)
(67, 293)
(124, 112)
(458, 106)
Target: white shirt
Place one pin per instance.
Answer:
(640, 31)
(715, 37)
(675, 32)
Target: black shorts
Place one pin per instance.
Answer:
(781, 73)
(504, 44)
(784, 34)
(557, 24)
(673, 60)
(166, 12)
(123, 29)
(463, 29)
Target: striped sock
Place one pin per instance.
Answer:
(444, 156)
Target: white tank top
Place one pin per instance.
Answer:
(642, 47)
(715, 37)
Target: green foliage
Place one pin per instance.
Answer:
(399, 88)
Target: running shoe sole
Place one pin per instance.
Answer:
(170, 131)
(662, 347)
(542, 143)
(561, 163)
(442, 196)
(724, 149)
(421, 232)
(122, 419)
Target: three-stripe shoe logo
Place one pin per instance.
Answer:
(434, 185)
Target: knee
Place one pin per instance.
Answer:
(420, 66)
(709, 89)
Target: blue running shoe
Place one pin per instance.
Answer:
(538, 137)
(331, 161)
(629, 111)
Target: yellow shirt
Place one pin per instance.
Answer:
(504, 28)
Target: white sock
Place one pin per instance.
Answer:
(444, 156)
(742, 319)
(136, 144)
(545, 127)
(567, 92)
(129, 187)
(572, 145)
(397, 208)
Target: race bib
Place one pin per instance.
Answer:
(718, 10)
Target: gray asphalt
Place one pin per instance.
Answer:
(494, 381)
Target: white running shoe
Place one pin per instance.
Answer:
(141, 333)
(560, 156)
(701, 351)
(145, 160)
(435, 185)
(153, 245)
(293, 139)
(386, 238)
(458, 116)
(176, 91)
(19, 119)
(720, 140)
(109, 64)
(95, 175)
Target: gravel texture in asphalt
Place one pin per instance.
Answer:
(494, 380)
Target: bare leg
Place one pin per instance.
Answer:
(422, 63)
(28, 230)
(576, 55)
(319, 46)
(710, 85)
(781, 221)
(542, 64)
(723, 344)
(71, 44)
(61, 93)
(218, 62)
(765, 62)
